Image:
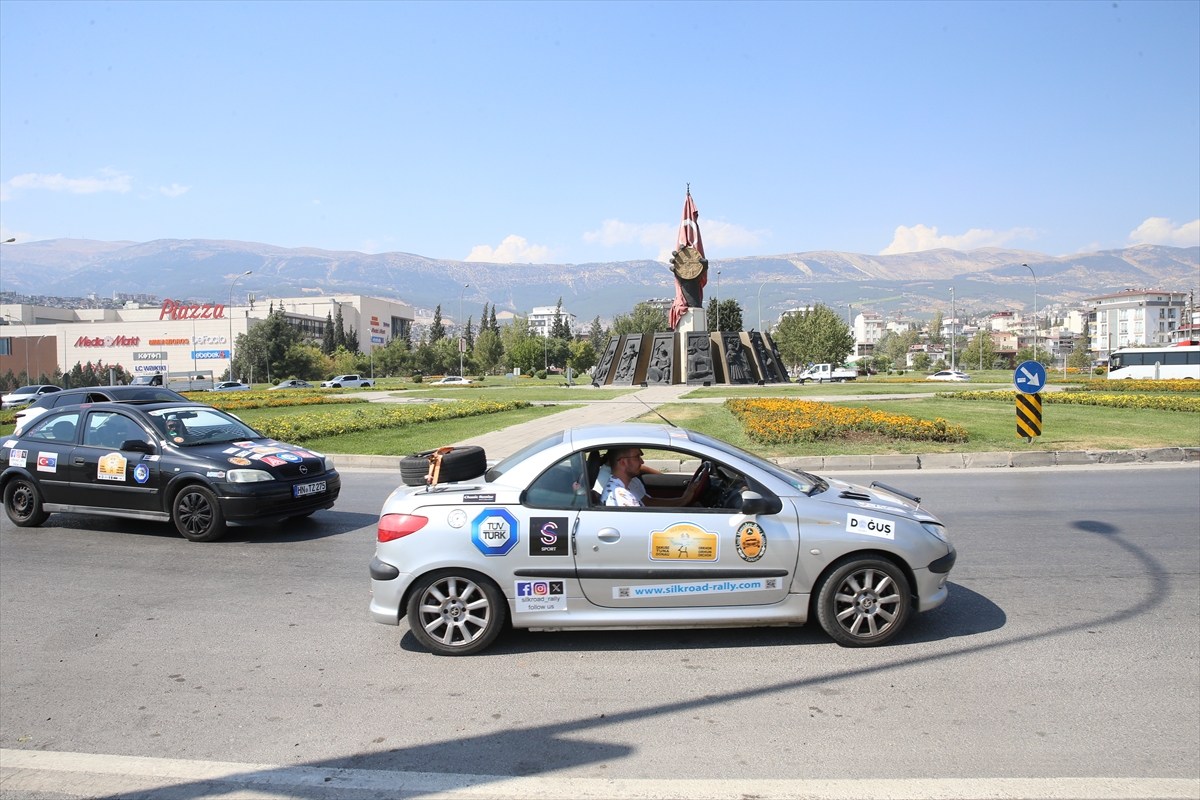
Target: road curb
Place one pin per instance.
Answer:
(839, 463)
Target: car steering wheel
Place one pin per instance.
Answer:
(701, 479)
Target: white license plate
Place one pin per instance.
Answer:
(305, 489)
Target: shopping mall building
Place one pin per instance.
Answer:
(178, 335)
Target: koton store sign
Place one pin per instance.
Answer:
(173, 309)
(108, 341)
(152, 356)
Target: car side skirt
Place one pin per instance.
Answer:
(581, 615)
(62, 508)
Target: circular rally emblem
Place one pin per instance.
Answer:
(141, 473)
(751, 541)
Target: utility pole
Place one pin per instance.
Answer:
(953, 319)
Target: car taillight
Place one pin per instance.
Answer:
(394, 526)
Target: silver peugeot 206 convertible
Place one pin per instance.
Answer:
(470, 549)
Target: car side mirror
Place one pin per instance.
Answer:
(137, 446)
(753, 503)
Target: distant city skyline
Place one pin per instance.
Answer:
(566, 133)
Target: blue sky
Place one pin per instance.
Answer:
(567, 132)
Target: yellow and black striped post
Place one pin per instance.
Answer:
(1029, 415)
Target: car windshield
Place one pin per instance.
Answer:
(802, 481)
(200, 425)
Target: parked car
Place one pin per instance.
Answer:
(185, 463)
(348, 382)
(26, 395)
(293, 385)
(94, 394)
(231, 386)
(528, 540)
(949, 375)
(827, 373)
(453, 380)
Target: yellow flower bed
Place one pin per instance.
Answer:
(1160, 402)
(1172, 385)
(301, 427)
(241, 401)
(779, 421)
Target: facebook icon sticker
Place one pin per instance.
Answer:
(540, 595)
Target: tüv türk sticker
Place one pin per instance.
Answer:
(871, 526)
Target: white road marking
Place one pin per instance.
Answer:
(90, 775)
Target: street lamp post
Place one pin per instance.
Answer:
(718, 308)
(461, 331)
(760, 288)
(953, 319)
(1035, 325)
(229, 311)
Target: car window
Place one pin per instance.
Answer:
(110, 429)
(60, 428)
(802, 481)
(525, 452)
(562, 486)
(199, 425)
(64, 399)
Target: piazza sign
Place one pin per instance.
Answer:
(173, 309)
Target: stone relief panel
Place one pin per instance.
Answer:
(770, 370)
(736, 366)
(627, 366)
(698, 362)
(662, 359)
(606, 361)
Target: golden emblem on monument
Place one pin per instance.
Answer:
(687, 263)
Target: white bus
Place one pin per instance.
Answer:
(1153, 363)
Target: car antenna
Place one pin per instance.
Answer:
(660, 416)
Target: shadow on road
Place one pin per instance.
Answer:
(538, 749)
(320, 525)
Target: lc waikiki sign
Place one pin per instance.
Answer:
(173, 309)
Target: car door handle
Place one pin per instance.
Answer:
(77, 461)
(608, 535)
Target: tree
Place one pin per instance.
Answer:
(469, 336)
(262, 349)
(583, 356)
(1043, 356)
(329, 338)
(982, 344)
(339, 333)
(495, 327)
(1081, 355)
(726, 318)
(560, 329)
(488, 350)
(921, 361)
(352, 340)
(437, 330)
(483, 319)
(394, 359)
(303, 361)
(596, 334)
(644, 318)
(527, 354)
(815, 335)
(935, 329)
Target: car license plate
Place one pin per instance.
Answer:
(305, 489)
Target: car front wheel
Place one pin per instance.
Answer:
(197, 514)
(453, 613)
(23, 503)
(864, 602)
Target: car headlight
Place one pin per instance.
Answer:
(248, 476)
(937, 530)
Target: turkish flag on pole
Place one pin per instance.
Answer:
(689, 234)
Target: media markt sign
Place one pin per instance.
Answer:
(495, 532)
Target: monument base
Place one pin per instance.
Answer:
(693, 321)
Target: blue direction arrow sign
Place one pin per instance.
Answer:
(1030, 377)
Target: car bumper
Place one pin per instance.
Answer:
(250, 504)
(387, 595)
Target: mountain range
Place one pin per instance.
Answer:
(911, 283)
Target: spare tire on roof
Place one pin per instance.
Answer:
(459, 464)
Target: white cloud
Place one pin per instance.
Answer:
(512, 250)
(1160, 230)
(662, 235)
(108, 180)
(923, 237)
(174, 190)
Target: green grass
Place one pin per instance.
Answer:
(415, 438)
(530, 394)
(992, 427)
(858, 387)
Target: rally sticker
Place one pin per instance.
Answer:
(540, 596)
(751, 541)
(683, 541)
(215, 473)
(47, 462)
(10, 443)
(265, 450)
(243, 444)
(141, 473)
(241, 462)
(111, 467)
(696, 588)
(871, 526)
(230, 450)
(150, 458)
(495, 532)
(16, 458)
(548, 536)
(178, 440)
(479, 498)
(273, 461)
(292, 457)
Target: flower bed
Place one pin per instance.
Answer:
(1172, 385)
(780, 421)
(301, 427)
(241, 401)
(1160, 402)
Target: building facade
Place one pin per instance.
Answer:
(1136, 318)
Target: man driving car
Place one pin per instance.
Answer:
(625, 489)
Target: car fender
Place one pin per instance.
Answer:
(179, 481)
(12, 472)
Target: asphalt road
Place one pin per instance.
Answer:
(1068, 649)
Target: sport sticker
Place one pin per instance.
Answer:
(871, 526)
(683, 541)
(548, 536)
(141, 473)
(241, 462)
(540, 596)
(111, 467)
(47, 462)
(16, 458)
(751, 541)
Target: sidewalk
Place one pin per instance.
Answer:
(502, 443)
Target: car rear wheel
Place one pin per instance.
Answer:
(23, 503)
(197, 514)
(864, 602)
(454, 613)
